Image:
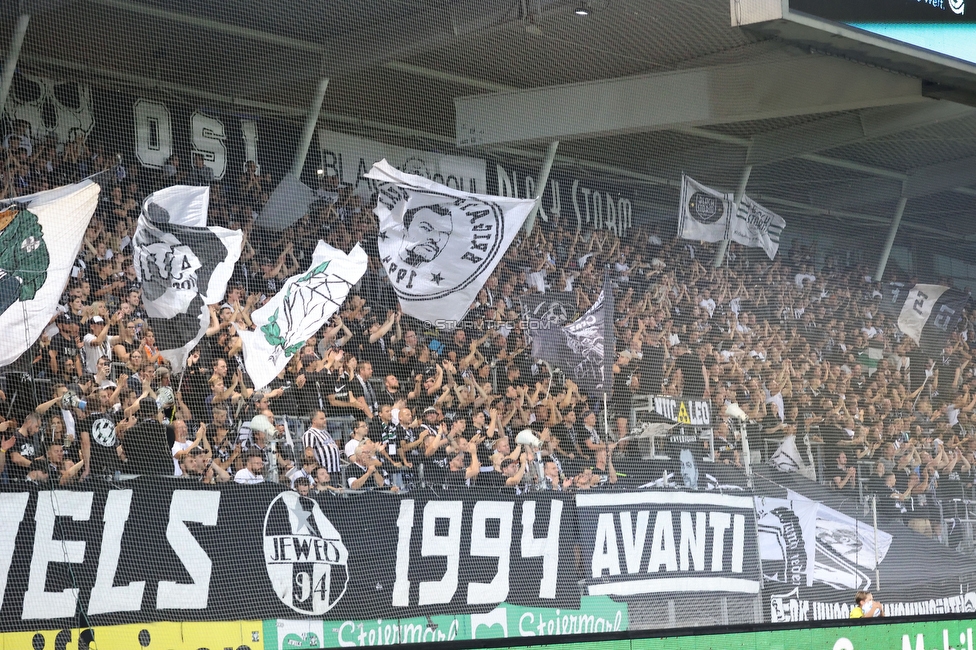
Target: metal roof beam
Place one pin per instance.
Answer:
(841, 130)
(921, 181)
(712, 95)
(210, 25)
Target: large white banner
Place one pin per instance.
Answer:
(439, 245)
(40, 236)
(349, 158)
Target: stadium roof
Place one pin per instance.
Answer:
(683, 90)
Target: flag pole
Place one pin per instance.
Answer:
(13, 55)
(723, 245)
(541, 183)
(890, 241)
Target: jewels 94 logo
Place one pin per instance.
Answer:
(304, 555)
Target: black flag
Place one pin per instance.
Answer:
(578, 348)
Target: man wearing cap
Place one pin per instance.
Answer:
(253, 470)
(100, 448)
(263, 427)
(64, 352)
(98, 343)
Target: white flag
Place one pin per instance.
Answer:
(303, 305)
(756, 227)
(438, 244)
(183, 265)
(704, 212)
(918, 308)
(40, 236)
(787, 458)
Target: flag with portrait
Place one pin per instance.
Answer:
(439, 245)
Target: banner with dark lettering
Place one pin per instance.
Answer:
(167, 549)
(643, 544)
(568, 202)
(815, 558)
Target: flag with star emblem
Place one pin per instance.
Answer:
(304, 304)
(40, 236)
(439, 245)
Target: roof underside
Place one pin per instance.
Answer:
(395, 67)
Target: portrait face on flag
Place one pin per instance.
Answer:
(440, 243)
(427, 231)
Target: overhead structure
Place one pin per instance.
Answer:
(713, 95)
(830, 133)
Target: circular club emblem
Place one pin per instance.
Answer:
(415, 166)
(103, 432)
(304, 554)
(441, 245)
(705, 208)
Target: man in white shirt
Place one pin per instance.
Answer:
(181, 446)
(98, 343)
(253, 471)
(359, 431)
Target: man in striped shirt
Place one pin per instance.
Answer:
(320, 444)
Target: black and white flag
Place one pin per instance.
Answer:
(788, 458)
(805, 543)
(438, 244)
(756, 227)
(40, 236)
(578, 348)
(926, 313)
(184, 266)
(704, 212)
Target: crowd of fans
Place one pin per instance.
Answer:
(378, 400)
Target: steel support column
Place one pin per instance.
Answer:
(892, 231)
(740, 191)
(540, 187)
(298, 164)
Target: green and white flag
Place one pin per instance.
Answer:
(40, 236)
(303, 305)
(756, 227)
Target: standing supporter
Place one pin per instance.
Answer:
(101, 450)
(147, 446)
(320, 445)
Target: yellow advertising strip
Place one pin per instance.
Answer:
(236, 635)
